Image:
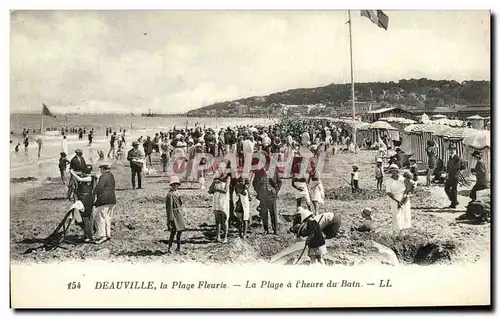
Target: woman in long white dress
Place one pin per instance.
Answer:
(316, 186)
(396, 191)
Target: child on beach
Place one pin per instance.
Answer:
(315, 240)
(63, 164)
(355, 178)
(17, 147)
(410, 183)
(379, 174)
(242, 209)
(175, 214)
(220, 190)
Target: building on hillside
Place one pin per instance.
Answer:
(361, 108)
(460, 112)
(483, 110)
(375, 115)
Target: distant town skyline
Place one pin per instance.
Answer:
(133, 61)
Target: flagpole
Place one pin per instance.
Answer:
(41, 123)
(352, 81)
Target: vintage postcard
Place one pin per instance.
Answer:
(250, 159)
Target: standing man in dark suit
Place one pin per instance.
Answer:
(105, 203)
(452, 171)
(270, 188)
(135, 157)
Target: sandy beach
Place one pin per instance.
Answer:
(140, 232)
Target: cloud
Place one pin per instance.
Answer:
(122, 61)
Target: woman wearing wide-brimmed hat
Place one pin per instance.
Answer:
(396, 190)
(175, 214)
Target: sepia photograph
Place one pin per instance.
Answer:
(198, 153)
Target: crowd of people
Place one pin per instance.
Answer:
(184, 150)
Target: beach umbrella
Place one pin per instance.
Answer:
(381, 125)
(479, 139)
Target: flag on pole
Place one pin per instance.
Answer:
(46, 111)
(376, 16)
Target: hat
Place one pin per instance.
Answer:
(179, 144)
(355, 166)
(105, 165)
(78, 150)
(198, 145)
(380, 160)
(174, 180)
(304, 213)
(367, 213)
(476, 154)
(393, 167)
(135, 143)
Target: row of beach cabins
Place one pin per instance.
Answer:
(415, 134)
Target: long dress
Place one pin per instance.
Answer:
(175, 215)
(317, 190)
(401, 217)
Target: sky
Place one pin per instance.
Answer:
(171, 62)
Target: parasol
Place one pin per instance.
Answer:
(479, 140)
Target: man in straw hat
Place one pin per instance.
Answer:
(482, 177)
(105, 203)
(135, 158)
(175, 214)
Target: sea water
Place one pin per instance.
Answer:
(26, 165)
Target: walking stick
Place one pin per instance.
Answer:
(301, 254)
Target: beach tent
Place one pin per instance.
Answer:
(376, 130)
(424, 119)
(416, 136)
(476, 121)
(448, 122)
